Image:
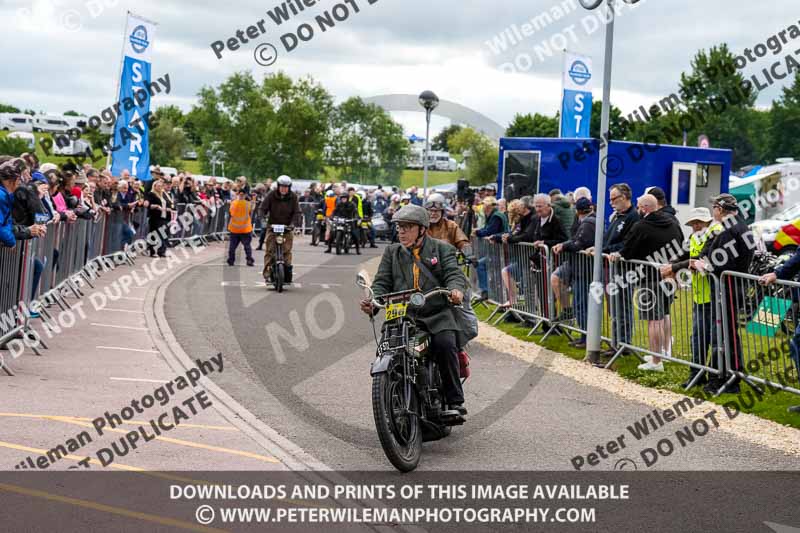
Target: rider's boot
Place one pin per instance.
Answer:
(329, 248)
(288, 273)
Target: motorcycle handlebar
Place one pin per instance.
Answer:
(376, 301)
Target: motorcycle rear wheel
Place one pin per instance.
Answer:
(400, 435)
(315, 235)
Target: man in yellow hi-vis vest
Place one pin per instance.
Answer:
(240, 228)
(703, 230)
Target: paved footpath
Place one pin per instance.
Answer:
(114, 355)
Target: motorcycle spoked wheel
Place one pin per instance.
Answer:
(400, 434)
(278, 275)
(347, 242)
(339, 242)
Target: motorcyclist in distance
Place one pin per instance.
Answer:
(346, 209)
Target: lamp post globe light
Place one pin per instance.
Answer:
(428, 100)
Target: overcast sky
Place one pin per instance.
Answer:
(64, 54)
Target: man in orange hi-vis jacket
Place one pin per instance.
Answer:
(240, 228)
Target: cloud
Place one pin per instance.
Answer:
(391, 46)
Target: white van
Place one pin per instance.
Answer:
(74, 147)
(28, 137)
(79, 122)
(16, 122)
(50, 124)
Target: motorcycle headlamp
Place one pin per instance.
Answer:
(417, 299)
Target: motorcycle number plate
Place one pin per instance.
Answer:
(396, 310)
(278, 228)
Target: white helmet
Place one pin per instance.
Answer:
(435, 201)
(330, 192)
(405, 197)
(285, 180)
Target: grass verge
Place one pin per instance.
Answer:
(773, 406)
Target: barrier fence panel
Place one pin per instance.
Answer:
(760, 331)
(491, 261)
(669, 318)
(308, 209)
(569, 288)
(526, 279)
(10, 265)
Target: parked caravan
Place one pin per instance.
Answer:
(16, 122)
(29, 139)
(50, 124)
(72, 147)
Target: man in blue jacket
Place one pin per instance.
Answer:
(788, 271)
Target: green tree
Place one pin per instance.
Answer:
(171, 112)
(784, 123)
(440, 141)
(6, 108)
(535, 125)
(279, 126)
(480, 152)
(30, 112)
(12, 146)
(366, 144)
(714, 103)
(618, 128)
(71, 113)
(167, 143)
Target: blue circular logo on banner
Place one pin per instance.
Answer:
(139, 40)
(579, 73)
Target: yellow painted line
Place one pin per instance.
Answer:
(116, 465)
(164, 521)
(180, 442)
(131, 422)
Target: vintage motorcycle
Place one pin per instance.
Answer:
(278, 267)
(407, 394)
(318, 229)
(343, 235)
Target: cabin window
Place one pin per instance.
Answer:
(684, 186)
(520, 173)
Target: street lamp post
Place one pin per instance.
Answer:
(597, 290)
(428, 100)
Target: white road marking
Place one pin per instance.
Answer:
(123, 311)
(131, 298)
(118, 327)
(143, 380)
(125, 349)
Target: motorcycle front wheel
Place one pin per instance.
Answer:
(315, 235)
(399, 432)
(339, 242)
(278, 276)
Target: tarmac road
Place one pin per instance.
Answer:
(300, 362)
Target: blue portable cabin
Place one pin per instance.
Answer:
(689, 176)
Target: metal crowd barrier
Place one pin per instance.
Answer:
(526, 277)
(574, 272)
(308, 209)
(671, 319)
(63, 255)
(759, 327)
(680, 319)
